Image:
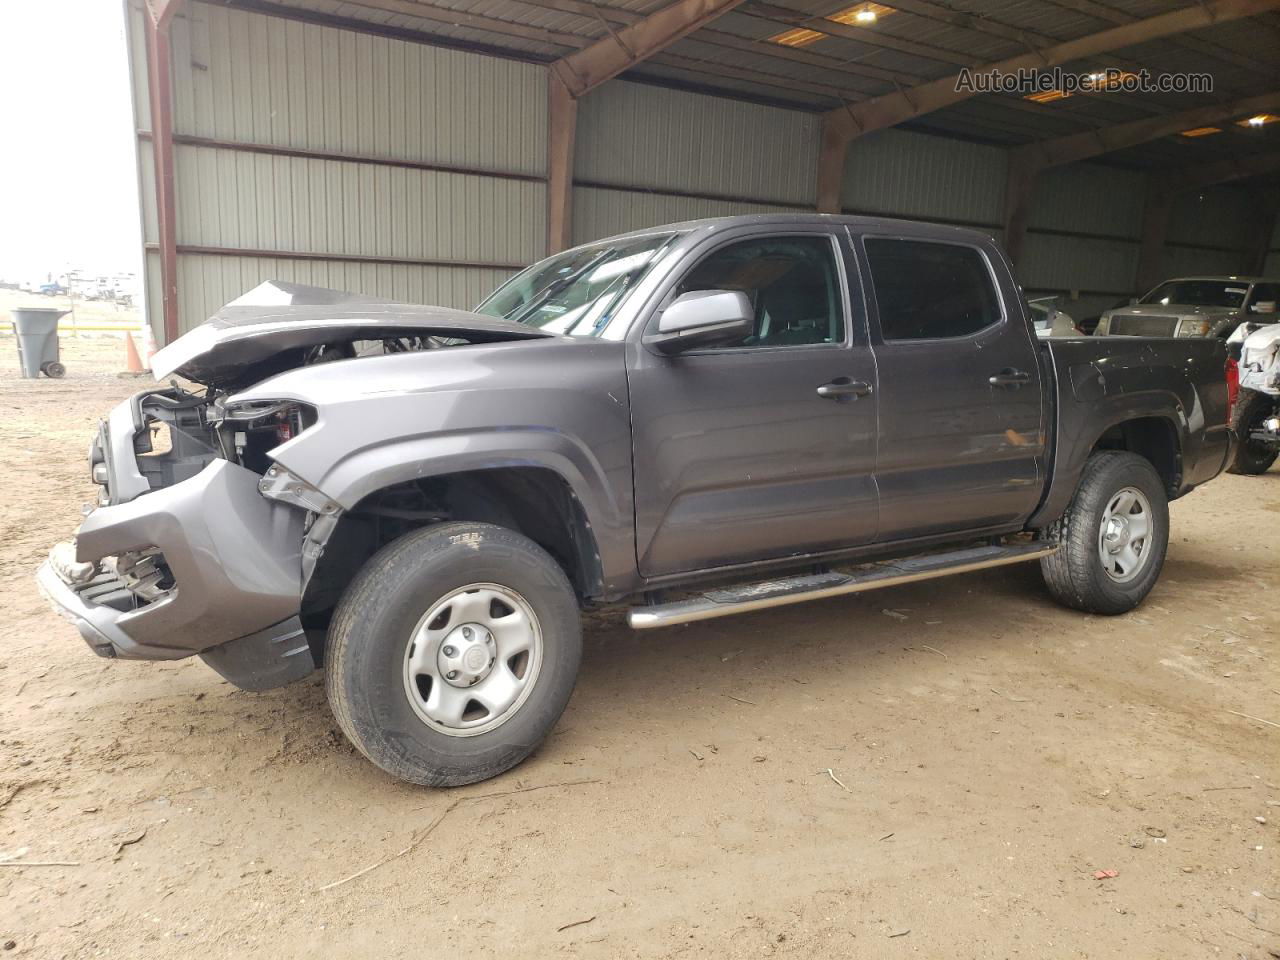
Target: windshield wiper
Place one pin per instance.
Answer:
(555, 286)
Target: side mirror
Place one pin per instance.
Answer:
(1133, 301)
(703, 318)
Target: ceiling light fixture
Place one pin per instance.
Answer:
(861, 14)
(796, 38)
(1047, 96)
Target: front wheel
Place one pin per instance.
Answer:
(1252, 456)
(1113, 537)
(453, 652)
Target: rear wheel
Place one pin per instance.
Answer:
(1252, 457)
(1112, 538)
(453, 653)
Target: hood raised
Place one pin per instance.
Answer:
(277, 318)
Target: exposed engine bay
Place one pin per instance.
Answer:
(179, 430)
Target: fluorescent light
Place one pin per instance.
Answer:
(861, 14)
(796, 38)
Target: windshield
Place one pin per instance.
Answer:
(1199, 293)
(576, 292)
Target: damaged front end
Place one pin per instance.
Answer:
(196, 543)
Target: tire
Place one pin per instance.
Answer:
(1251, 457)
(54, 369)
(1076, 575)
(386, 663)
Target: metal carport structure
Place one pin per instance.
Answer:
(424, 150)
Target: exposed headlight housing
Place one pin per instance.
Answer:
(253, 411)
(1104, 325)
(1194, 328)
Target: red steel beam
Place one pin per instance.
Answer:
(574, 75)
(160, 89)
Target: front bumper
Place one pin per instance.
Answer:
(236, 564)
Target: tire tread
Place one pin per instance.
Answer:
(1073, 573)
(379, 585)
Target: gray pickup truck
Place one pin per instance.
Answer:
(700, 419)
(1194, 307)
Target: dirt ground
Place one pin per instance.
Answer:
(929, 771)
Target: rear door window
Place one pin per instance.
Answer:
(1264, 297)
(930, 291)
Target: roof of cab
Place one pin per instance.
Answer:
(922, 228)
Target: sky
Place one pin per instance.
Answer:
(68, 181)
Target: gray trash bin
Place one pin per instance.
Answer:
(36, 330)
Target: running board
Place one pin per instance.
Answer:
(777, 593)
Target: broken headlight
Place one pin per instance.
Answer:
(254, 427)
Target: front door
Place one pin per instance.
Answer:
(961, 403)
(738, 455)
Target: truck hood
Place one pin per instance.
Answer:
(278, 318)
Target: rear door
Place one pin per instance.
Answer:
(737, 456)
(961, 400)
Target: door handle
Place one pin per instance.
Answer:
(1009, 377)
(842, 387)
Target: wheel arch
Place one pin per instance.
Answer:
(1155, 438)
(1157, 432)
(534, 501)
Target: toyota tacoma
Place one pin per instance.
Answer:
(701, 419)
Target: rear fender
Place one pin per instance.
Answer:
(1096, 397)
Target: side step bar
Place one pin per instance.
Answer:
(777, 593)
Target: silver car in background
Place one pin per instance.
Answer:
(1193, 307)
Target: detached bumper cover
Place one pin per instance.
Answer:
(234, 555)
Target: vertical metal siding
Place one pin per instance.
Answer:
(1054, 262)
(1089, 198)
(247, 77)
(1216, 217)
(907, 174)
(602, 213)
(207, 282)
(259, 202)
(1197, 261)
(634, 134)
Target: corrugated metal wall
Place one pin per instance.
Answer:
(302, 139)
(411, 171)
(1083, 236)
(1206, 230)
(898, 173)
(648, 155)
(1082, 241)
(1272, 268)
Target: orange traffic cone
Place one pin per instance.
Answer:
(133, 363)
(148, 342)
